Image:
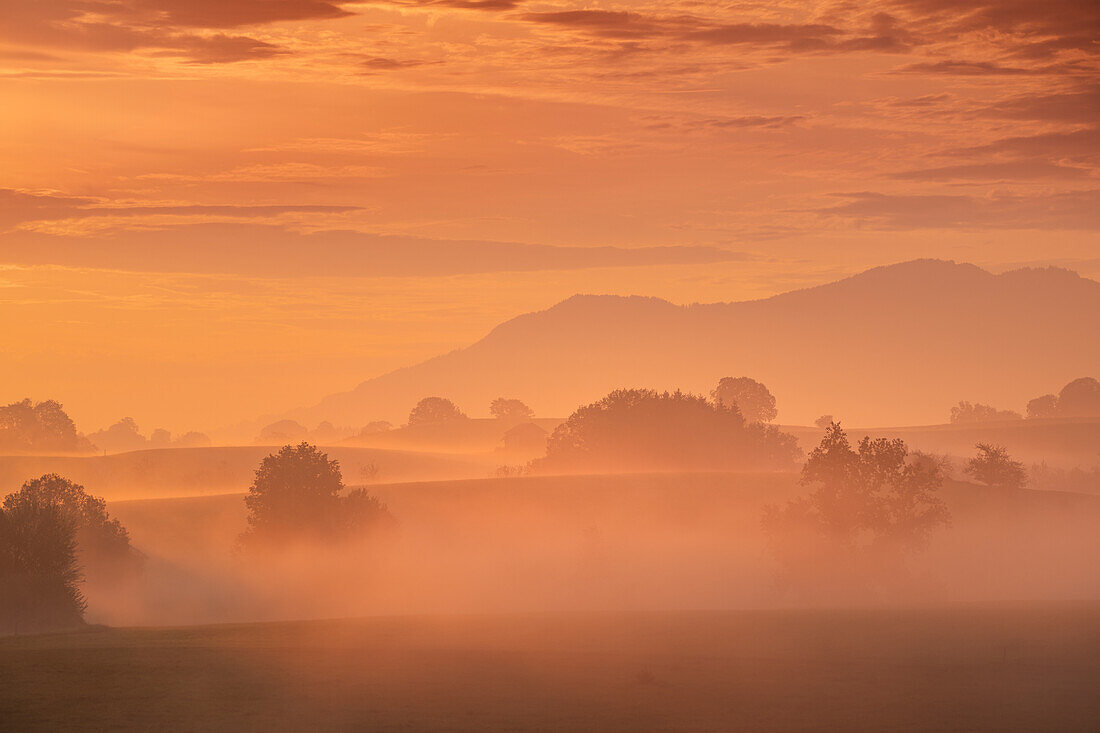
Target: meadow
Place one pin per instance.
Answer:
(981, 668)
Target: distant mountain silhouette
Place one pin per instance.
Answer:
(894, 345)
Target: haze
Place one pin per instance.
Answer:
(262, 203)
(535, 365)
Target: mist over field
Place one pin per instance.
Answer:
(537, 365)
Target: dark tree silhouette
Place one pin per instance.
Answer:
(42, 426)
(434, 410)
(966, 412)
(39, 574)
(1080, 398)
(282, 431)
(192, 439)
(752, 398)
(636, 429)
(870, 506)
(510, 410)
(103, 543)
(1045, 406)
(121, 437)
(376, 426)
(297, 495)
(993, 466)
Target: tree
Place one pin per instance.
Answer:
(510, 410)
(965, 412)
(639, 429)
(1080, 398)
(993, 466)
(39, 574)
(120, 437)
(435, 410)
(26, 426)
(281, 431)
(752, 398)
(296, 494)
(376, 426)
(192, 439)
(103, 543)
(1045, 406)
(869, 507)
(824, 421)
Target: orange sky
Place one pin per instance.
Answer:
(212, 209)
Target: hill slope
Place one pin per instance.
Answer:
(893, 345)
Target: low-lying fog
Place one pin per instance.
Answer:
(615, 542)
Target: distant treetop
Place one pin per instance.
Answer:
(1079, 398)
(641, 429)
(965, 412)
(434, 410)
(510, 410)
(752, 398)
(39, 426)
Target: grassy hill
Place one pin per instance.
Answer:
(988, 668)
(196, 471)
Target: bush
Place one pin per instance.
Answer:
(993, 467)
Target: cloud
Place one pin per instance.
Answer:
(1028, 169)
(485, 5)
(1079, 105)
(1078, 145)
(380, 63)
(753, 121)
(235, 13)
(966, 68)
(17, 207)
(1022, 28)
(271, 251)
(1074, 210)
(165, 26)
(631, 25)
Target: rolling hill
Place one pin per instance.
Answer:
(893, 345)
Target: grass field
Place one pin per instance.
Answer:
(1006, 668)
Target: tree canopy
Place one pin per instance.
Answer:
(638, 429)
(752, 398)
(510, 410)
(27, 426)
(434, 410)
(103, 544)
(39, 573)
(296, 494)
(869, 506)
(1079, 398)
(966, 412)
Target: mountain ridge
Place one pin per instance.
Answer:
(945, 330)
